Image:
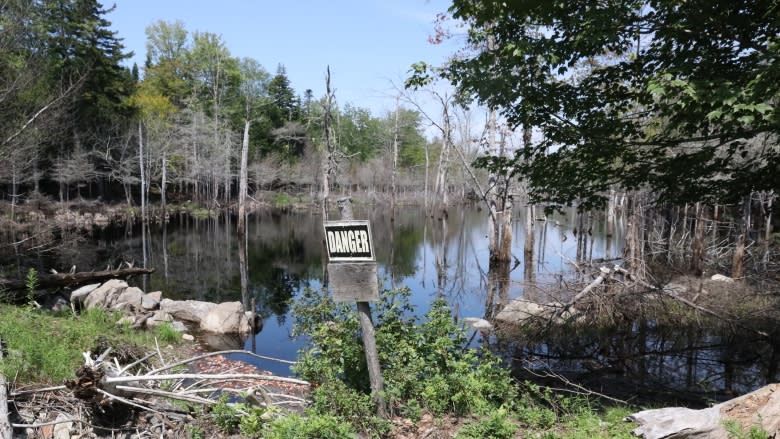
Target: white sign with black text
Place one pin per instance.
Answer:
(349, 241)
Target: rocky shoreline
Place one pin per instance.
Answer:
(149, 310)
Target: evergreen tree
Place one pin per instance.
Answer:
(286, 105)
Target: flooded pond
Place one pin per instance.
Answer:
(197, 258)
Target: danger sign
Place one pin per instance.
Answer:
(349, 241)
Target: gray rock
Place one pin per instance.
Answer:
(721, 278)
(123, 307)
(126, 320)
(226, 318)
(56, 303)
(103, 295)
(151, 300)
(79, 294)
(520, 310)
(478, 324)
(132, 296)
(187, 310)
(158, 318)
(62, 429)
(178, 326)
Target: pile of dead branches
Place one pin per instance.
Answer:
(168, 393)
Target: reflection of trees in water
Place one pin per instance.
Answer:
(647, 359)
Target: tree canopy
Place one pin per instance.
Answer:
(677, 97)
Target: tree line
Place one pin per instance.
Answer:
(76, 122)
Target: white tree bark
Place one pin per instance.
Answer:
(242, 183)
(142, 170)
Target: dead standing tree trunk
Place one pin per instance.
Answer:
(738, 261)
(631, 251)
(242, 183)
(393, 188)
(697, 258)
(328, 165)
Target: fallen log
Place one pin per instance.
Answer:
(759, 410)
(60, 280)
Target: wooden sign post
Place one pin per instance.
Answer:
(352, 273)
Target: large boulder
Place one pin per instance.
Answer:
(519, 310)
(104, 295)
(226, 318)
(188, 310)
(151, 300)
(158, 318)
(131, 296)
(77, 297)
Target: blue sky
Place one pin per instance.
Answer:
(367, 44)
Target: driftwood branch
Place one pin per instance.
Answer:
(760, 408)
(203, 376)
(60, 280)
(604, 275)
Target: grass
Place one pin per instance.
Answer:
(47, 348)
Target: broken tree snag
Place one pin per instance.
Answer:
(6, 432)
(760, 408)
(60, 280)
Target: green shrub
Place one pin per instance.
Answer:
(314, 426)
(495, 426)
(31, 285)
(425, 364)
(226, 418)
(248, 420)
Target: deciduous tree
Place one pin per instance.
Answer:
(670, 96)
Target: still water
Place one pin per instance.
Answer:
(198, 259)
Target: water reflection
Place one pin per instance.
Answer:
(647, 361)
(201, 258)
